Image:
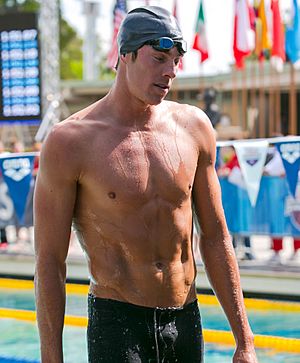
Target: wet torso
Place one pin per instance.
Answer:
(133, 211)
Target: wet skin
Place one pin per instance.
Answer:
(127, 180)
(124, 171)
(133, 211)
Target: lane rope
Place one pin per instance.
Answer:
(77, 289)
(280, 344)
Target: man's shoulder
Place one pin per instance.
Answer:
(195, 123)
(64, 140)
(189, 114)
(64, 132)
(76, 128)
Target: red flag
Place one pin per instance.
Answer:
(243, 39)
(200, 40)
(278, 48)
(175, 15)
(120, 11)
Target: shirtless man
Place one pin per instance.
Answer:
(125, 171)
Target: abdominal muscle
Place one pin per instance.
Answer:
(139, 266)
(150, 284)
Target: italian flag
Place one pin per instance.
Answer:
(200, 40)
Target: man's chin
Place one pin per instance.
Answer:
(157, 101)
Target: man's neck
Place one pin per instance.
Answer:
(129, 111)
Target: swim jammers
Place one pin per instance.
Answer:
(120, 332)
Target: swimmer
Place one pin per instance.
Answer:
(126, 171)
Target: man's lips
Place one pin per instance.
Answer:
(162, 86)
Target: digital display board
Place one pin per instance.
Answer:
(20, 82)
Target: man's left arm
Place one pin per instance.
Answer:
(216, 246)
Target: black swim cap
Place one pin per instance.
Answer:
(147, 23)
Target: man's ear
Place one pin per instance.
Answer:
(123, 58)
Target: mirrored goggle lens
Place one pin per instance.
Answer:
(165, 43)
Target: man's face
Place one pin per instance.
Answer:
(151, 74)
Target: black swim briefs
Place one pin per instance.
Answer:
(120, 332)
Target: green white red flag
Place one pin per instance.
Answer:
(200, 39)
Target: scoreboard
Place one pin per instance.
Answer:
(20, 81)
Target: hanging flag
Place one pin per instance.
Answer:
(258, 50)
(252, 157)
(292, 36)
(262, 37)
(17, 174)
(119, 14)
(200, 39)
(278, 48)
(243, 38)
(290, 155)
(180, 66)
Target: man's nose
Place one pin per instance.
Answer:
(171, 69)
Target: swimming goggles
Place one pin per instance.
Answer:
(165, 43)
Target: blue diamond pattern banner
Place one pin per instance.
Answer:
(17, 174)
(290, 155)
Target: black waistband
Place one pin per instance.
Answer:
(98, 302)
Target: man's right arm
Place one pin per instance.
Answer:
(54, 200)
(216, 246)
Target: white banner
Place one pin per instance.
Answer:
(252, 157)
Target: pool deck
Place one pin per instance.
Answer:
(260, 277)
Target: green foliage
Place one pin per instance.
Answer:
(71, 65)
(20, 5)
(106, 73)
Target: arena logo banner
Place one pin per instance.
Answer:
(292, 209)
(252, 157)
(17, 173)
(290, 155)
(6, 205)
(20, 85)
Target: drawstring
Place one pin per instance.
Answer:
(155, 336)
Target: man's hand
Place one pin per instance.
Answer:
(245, 356)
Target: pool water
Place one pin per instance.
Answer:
(284, 324)
(263, 322)
(19, 340)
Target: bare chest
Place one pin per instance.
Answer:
(142, 166)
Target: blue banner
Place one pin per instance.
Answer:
(17, 174)
(276, 212)
(290, 155)
(7, 210)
